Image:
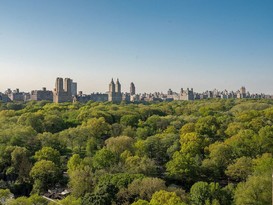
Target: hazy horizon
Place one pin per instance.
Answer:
(154, 43)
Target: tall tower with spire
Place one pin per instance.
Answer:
(118, 87)
(115, 94)
(112, 86)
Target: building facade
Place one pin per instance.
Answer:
(43, 94)
(114, 94)
(62, 91)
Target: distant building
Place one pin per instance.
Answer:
(132, 89)
(186, 94)
(114, 94)
(43, 94)
(126, 97)
(96, 97)
(15, 95)
(4, 97)
(74, 88)
(170, 92)
(62, 90)
(243, 92)
(134, 98)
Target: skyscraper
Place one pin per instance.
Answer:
(114, 94)
(62, 90)
(74, 88)
(132, 89)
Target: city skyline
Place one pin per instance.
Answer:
(123, 89)
(65, 90)
(157, 45)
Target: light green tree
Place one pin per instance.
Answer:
(166, 198)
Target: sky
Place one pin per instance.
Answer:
(157, 44)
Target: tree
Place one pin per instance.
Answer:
(45, 175)
(156, 123)
(97, 127)
(266, 134)
(156, 147)
(35, 120)
(48, 139)
(204, 193)
(119, 144)
(240, 169)
(199, 193)
(245, 143)
(74, 162)
(69, 200)
(21, 163)
(92, 146)
(141, 202)
(48, 153)
(81, 181)
(32, 200)
(263, 164)
(5, 195)
(129, 120)
(104, 159)
(20, 200)
(187, 128)
(146, 187)
(165, 198)
(256, 191)
(116, 129)
(192, 144)
(53, 122)
(141, 165)
(119, 180)
(37, 200)
(207, 127)
(183, 167)
(220, 155)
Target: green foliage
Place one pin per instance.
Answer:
(121, 154)
(256, 190)
(119, 144)
(70, 200)
(140, 165)
(200, 193)
(104, 159)
(53, 123)
(81, 181)
(45, 175)
(165, 198)
(48, 153)
(141, 202)
(21, 163)
(119, 180)
(32, 200)
(205, 193)
(142, 189)
(240, 170)
(129, 120)
(74, 162)
(5, 196)
(183, 167)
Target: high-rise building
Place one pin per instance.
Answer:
(62, 91)
(67, 85)
(186, 94)
(115, 94)
(132, 89)
(74, 88)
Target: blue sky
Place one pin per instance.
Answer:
(157, 44)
